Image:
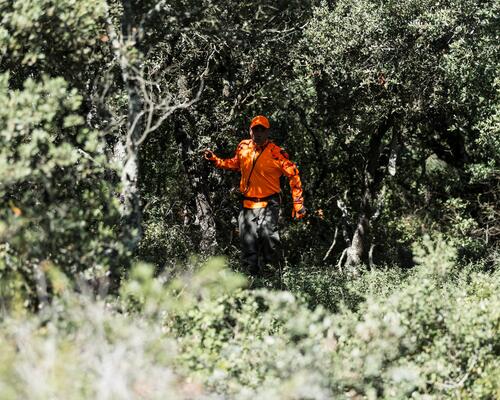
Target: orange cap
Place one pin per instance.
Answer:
(260, 120)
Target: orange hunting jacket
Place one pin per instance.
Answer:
(261, 168)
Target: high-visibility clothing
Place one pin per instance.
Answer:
(261, 168)
(260, 120)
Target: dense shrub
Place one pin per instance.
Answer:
(333, 288)
(58, 206)
(390, 110)
(79, 348)
(435, 334)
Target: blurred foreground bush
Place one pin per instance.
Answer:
(434, 335)
(78, 348)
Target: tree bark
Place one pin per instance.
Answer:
(204, 217)
(127, 151)
(374, 173)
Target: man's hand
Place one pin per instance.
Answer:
(209, 155)
(299, 211)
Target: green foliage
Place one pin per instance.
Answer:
(437, 256)
(166, 239)
(390, 109)
(79, 348)
(427, 73)
(335, 290)
(59, 38)
(58, 208)
(149, 295)
(202, 336)
(421, 339)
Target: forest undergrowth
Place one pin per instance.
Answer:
(428, 333)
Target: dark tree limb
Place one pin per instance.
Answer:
(374, 173)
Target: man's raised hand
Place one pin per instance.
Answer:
(209, 155)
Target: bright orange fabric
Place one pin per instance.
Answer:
(254, 204)
(268, 162)
(260, 120)
(298, 211)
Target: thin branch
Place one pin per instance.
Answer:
(88, 156)
(345, 214)
(333, 243)
(341, 259)
(168, 113)
(150, 127)
(370, 257)
(462, 381)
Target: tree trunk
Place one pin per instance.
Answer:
(374, 173)
(127, 150)
(204, 215)
(356, 252)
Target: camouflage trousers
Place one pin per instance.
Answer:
(259, 237)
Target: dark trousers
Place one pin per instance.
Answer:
(259, 237)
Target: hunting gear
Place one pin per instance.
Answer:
(261, 164)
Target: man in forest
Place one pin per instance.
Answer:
(261, 163)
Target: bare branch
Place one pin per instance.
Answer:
(168, 110)
(333, 243)
(88, 156)
(341, 259)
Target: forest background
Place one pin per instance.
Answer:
(112, 224)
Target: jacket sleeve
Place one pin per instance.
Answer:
(228, 163)
(291, 171)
